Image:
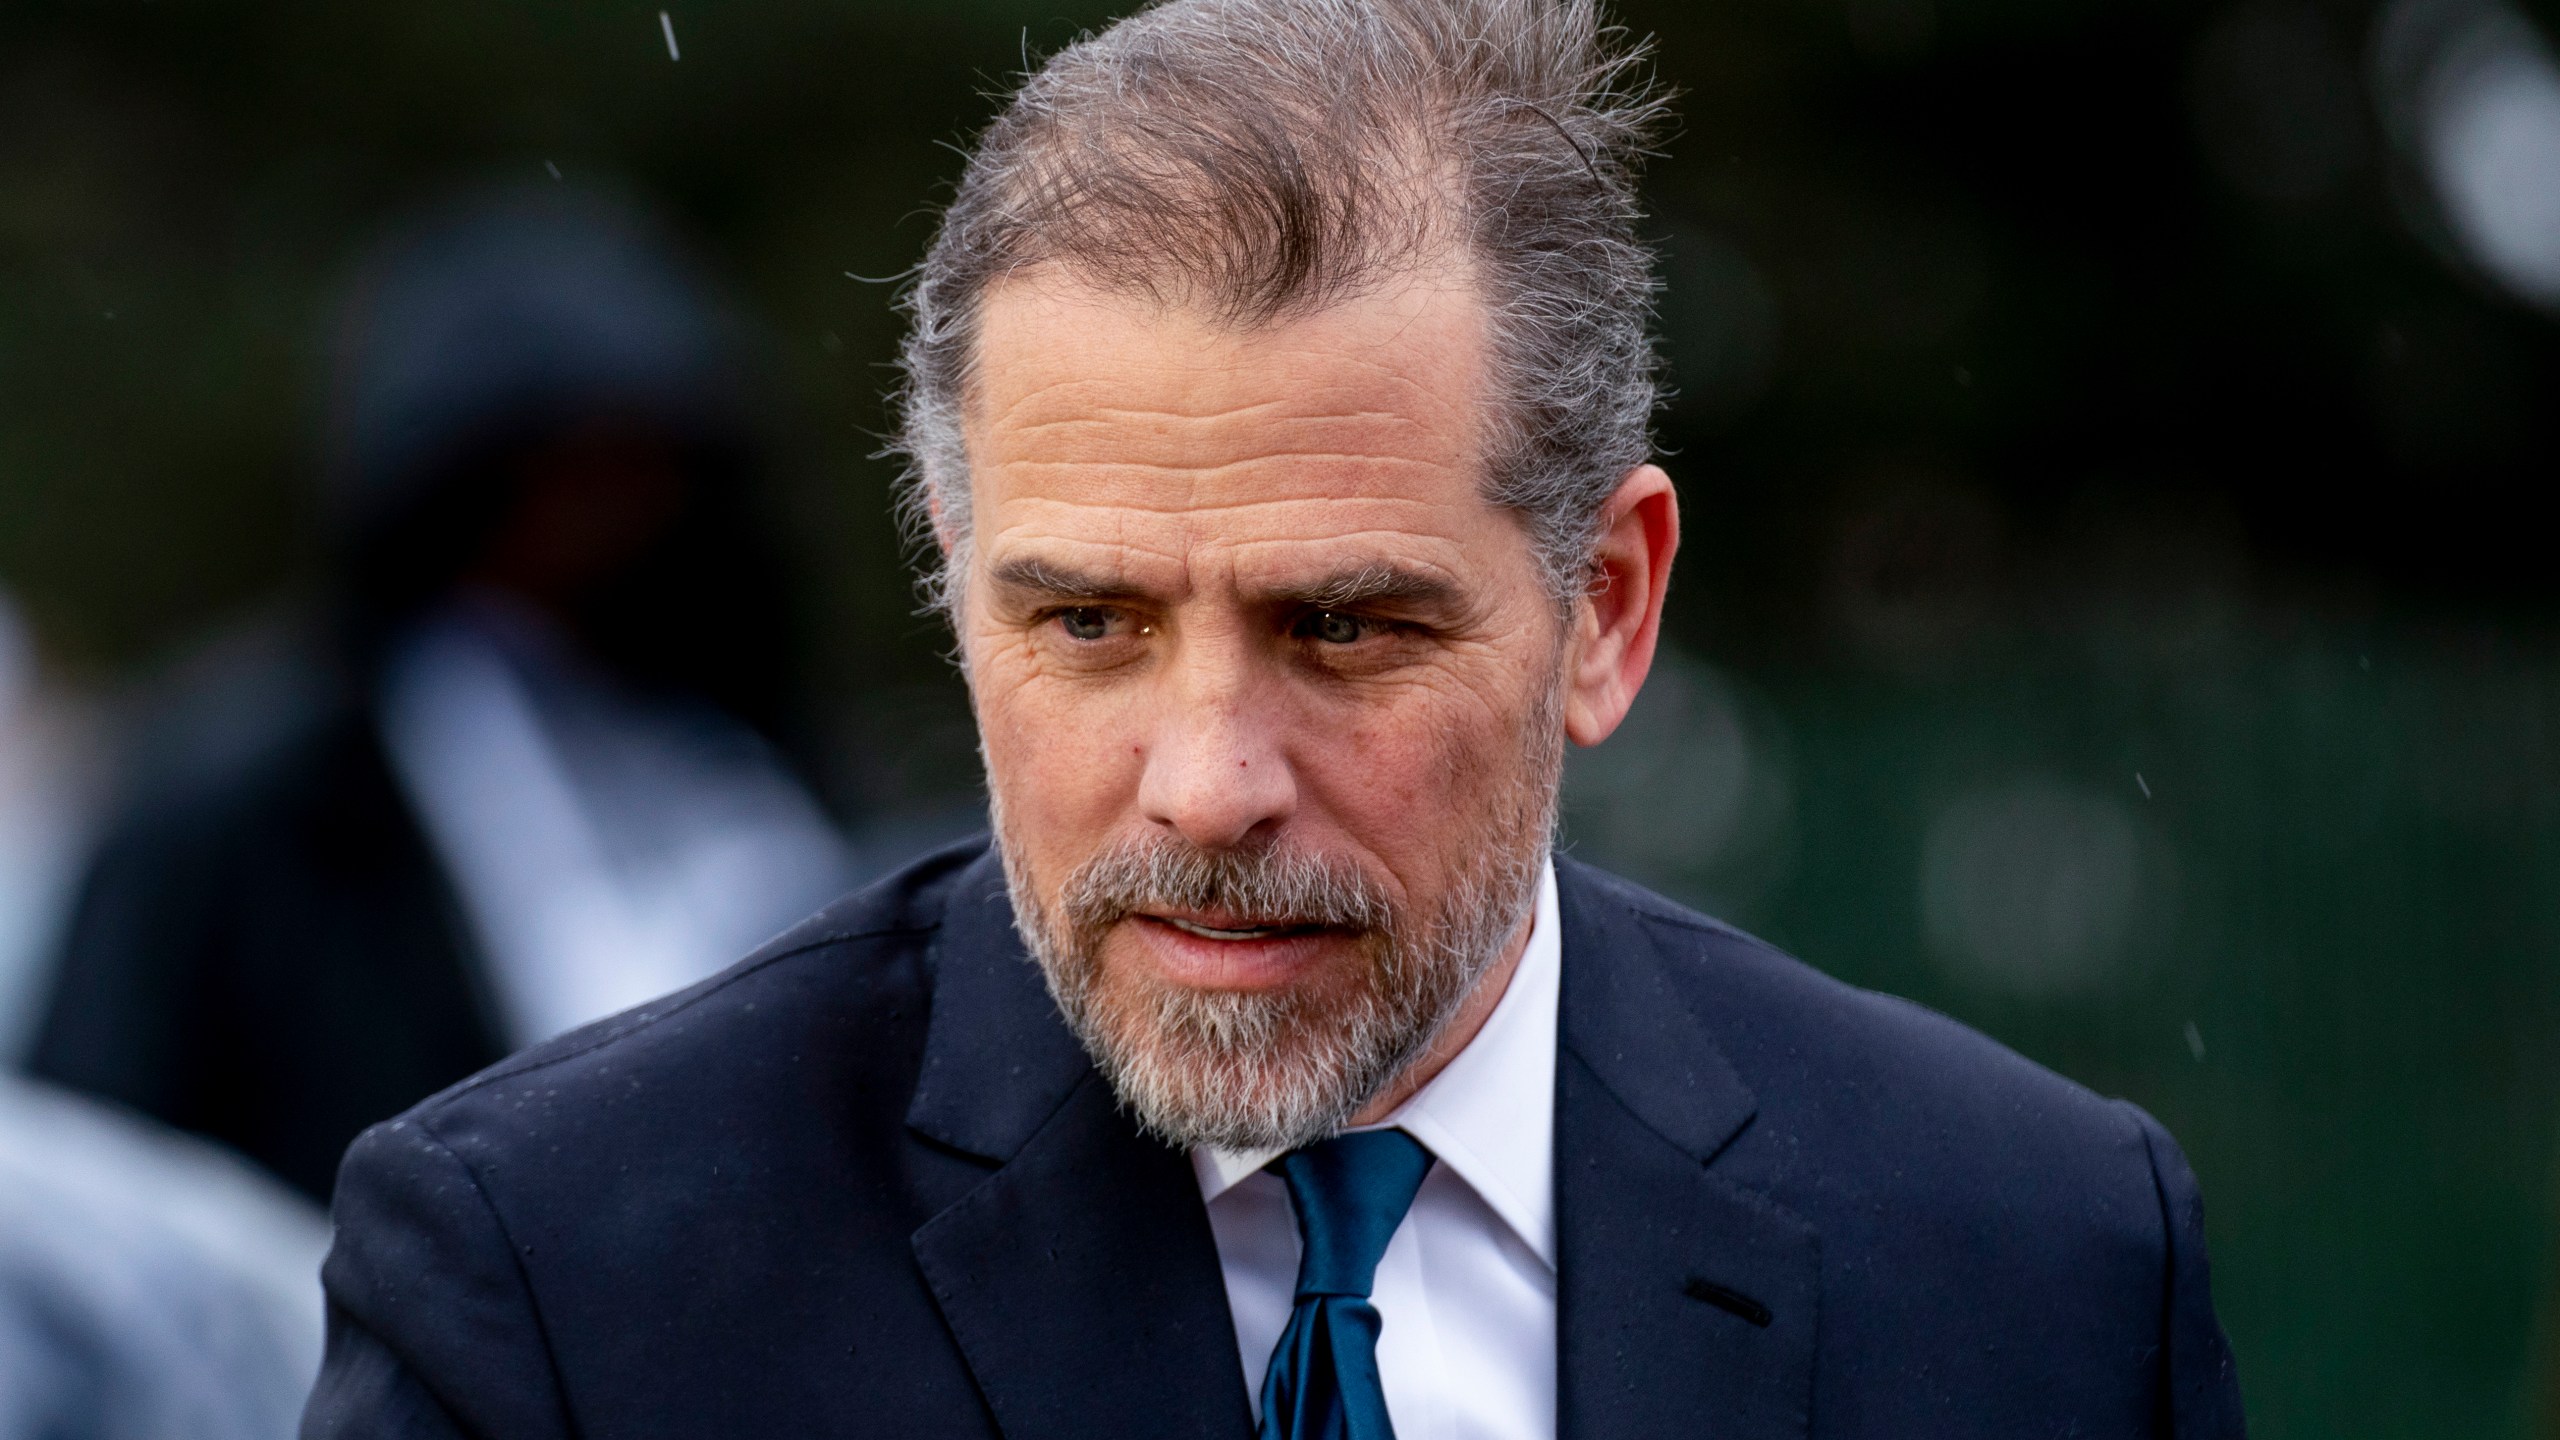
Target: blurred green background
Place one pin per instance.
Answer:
(2116, 609)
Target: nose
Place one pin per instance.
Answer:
(1216, 773)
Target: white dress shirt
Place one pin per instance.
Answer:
(1466, 1294)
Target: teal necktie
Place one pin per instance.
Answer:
(1351, 1193)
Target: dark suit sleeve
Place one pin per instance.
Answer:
(2199, 1385)
(433, 1333)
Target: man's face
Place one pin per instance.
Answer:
(1269, 692)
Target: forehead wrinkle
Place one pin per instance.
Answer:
(1113, 419)
(1332, 463)
(1103, 423)
(1076, 405)
(1108, 415)
(1208, 358)
(1371, 440)
(1351, 550)
(1102, 511)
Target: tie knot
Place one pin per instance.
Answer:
(1351, 1193)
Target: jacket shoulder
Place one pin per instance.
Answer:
(1869, 1071)
(860, 967)
(2023, 1245)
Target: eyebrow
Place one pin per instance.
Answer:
(1370, 584)
(1374, 582)
(1027, 575)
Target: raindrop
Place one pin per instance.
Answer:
(667, 26)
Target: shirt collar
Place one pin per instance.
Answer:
(1489, 1115)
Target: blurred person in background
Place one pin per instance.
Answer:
(537, 779)
(152, 1287)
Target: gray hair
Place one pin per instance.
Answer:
(1262, 159)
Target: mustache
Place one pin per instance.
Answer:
(1272, 885)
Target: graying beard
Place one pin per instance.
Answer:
(1272, 1072)
(1242, 1072)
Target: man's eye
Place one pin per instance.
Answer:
(1085, 622)
(1332, 627)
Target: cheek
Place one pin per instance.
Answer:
(1411, 778)
(1064, 758)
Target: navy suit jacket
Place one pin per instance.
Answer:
(866, 1183)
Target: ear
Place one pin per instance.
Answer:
(1619, 618)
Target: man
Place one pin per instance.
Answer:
(1278, 396)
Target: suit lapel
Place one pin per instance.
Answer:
(1686, 1304)
(1080, 1279)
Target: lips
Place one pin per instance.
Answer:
(1237, 954)
(1212, 932)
